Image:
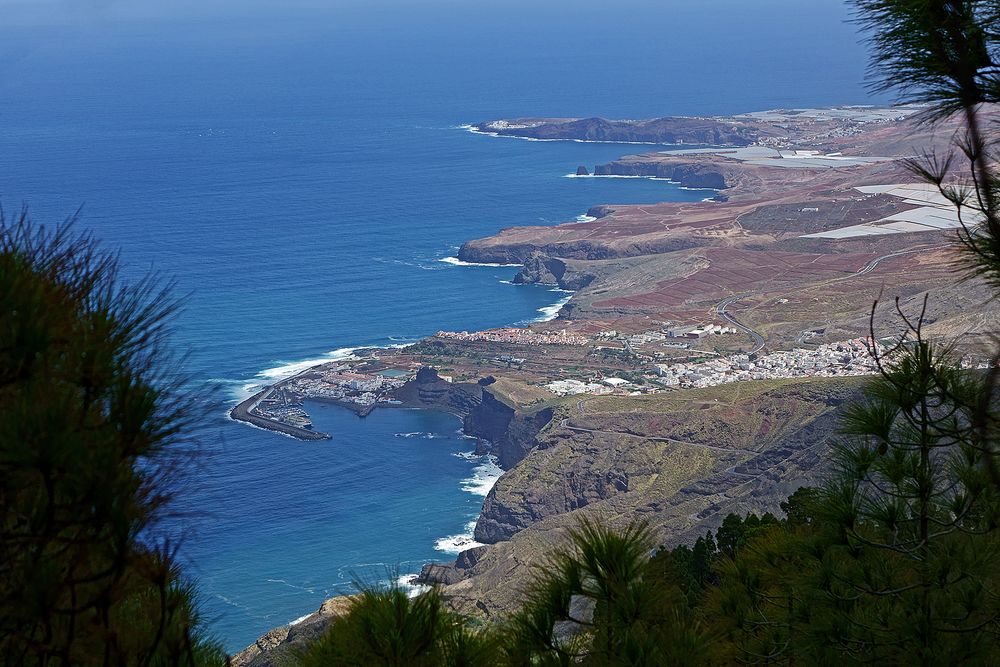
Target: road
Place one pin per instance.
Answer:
(758, 339)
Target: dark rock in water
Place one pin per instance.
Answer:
(582, 171)
(720, 198)
(450, 573)
(482, 447)
(600, 211)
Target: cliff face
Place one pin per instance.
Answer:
(428, 390)
(511, 432)
(280, 646)
(671, 130)
(682, 463)
(691, 175)
(541, 269)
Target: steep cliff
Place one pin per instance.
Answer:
(511, 432)
(688, 174)
(428, 390)
(681, 462)
(541, 269)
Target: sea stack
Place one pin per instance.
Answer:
(582, 171)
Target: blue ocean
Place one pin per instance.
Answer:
(300, 170)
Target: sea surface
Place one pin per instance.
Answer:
(302, 173)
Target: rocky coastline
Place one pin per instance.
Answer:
(649, 282)
(673, 130)
(502, 431)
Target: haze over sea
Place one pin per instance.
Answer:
(297, 168)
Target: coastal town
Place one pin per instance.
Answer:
(280, 407)
(516, 336)
(846, 358)
(342, 383)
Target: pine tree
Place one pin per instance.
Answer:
(911, 565)
(384, 627)
(91, 437)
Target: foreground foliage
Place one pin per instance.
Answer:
(90, 437)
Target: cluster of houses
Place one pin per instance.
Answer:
(833, 359)
(700, 331)
(517, 336)
(342, 384)
(571, 387)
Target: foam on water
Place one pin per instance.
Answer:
(420, 434)
(484, 476)
(549, 313)
(647, 178)
(407, 583)
(287, 370)
(455, 261)
(586, 218)
(456, 544)
(300, 619)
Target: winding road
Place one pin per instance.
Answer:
(758, 339)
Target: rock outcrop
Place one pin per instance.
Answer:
(450, 573)
(427, 390)
(688, 174)
(279, 647)
(670, 130)
(682, 463)
(541, 269)
(511, 432)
